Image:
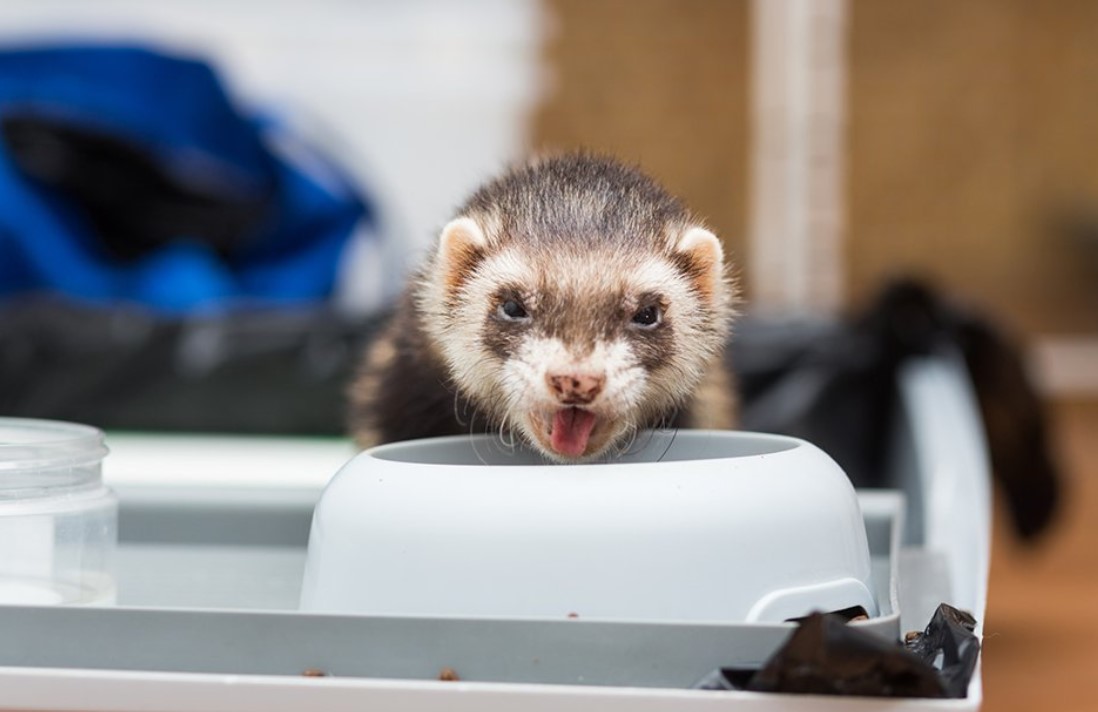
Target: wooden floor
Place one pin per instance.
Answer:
(1041, 634)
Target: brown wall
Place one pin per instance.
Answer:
(973, 134)
(661, 83)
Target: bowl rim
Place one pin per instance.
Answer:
(390, 453)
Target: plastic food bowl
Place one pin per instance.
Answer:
(58, 523)
(699, 526)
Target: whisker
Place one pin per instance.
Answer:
(627, 445)
(473, 438)
(670, 442)
(457, 413)
(476, 452)
(667, 421)
(506, 437)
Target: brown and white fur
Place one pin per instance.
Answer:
(572, 302)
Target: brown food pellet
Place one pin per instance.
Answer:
(448, 674)
(911, 636)
(573, 614)
(859, 618)
(313, 672)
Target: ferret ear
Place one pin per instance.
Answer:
(704, 259)
(460, 245)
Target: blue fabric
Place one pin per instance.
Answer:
(178, 112)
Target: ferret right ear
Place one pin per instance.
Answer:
(704, 259)
(459, 247)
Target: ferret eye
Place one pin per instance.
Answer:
(647, 317)
(512, 310)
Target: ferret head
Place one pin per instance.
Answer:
(574, 301)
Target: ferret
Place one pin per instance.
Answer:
(571, 303)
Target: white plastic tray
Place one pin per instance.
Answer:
(81, 659)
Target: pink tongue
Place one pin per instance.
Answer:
(571, 429)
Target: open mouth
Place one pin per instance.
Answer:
(570, 431)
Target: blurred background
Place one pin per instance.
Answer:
(201, 199)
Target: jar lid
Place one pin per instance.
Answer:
(47, 454)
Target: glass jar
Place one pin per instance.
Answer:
(58, 522)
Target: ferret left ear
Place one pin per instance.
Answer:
(705, 259)
(460, 245)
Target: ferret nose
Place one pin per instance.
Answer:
(575, 388)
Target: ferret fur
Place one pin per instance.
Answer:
(571, 303)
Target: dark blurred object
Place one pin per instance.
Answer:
(950, 645)
(133, 204)
(1079, 225)
(272, 371)
(1015, 424)
(285, 371)
(1073, 236)
(835, 385)
(127, 175)
(825, 656)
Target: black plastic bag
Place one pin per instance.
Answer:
(286, 372)
(834, 384)
(826, 656)
(259, 372)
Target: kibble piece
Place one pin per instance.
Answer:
(448, 674)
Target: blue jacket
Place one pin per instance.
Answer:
(128, 175)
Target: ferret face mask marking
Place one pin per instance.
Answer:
(575, 349)
(572, 302)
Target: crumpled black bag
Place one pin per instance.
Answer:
(826, 656)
